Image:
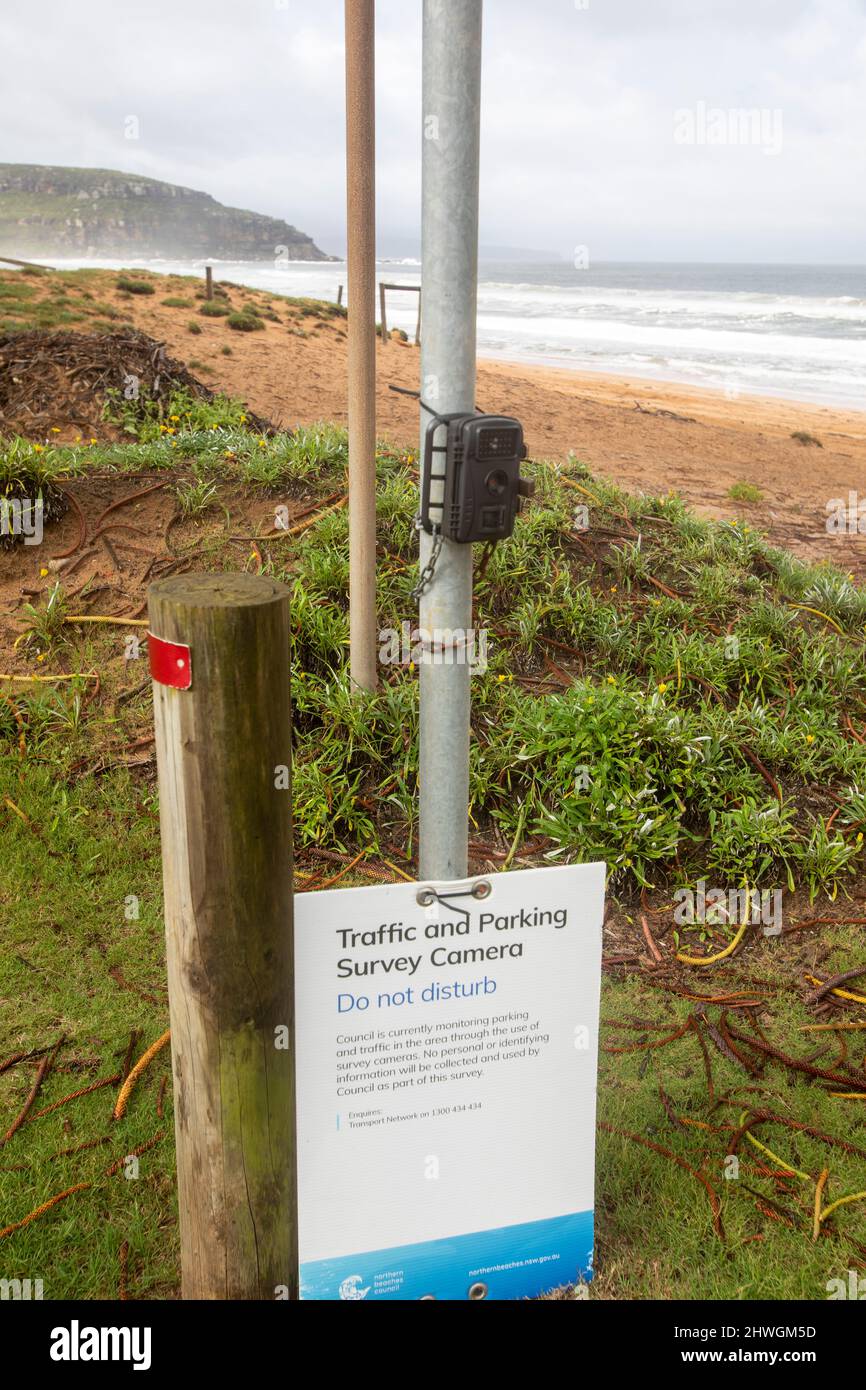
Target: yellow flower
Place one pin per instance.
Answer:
(810, 738)
(613, 588)
(174, 417)
(94, 441)
(500, 678)
(41, 656)
(263, 444)
(55, 429)
(411, 666)
(243, 419)
(38, 449)
(611, 680)
(42, 573)
(662, 688)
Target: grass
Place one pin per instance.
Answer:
(671, 694)
(128, 286)
(745, 492)
(244, 323)
(81, 298)
(662, 1244)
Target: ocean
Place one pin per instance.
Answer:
(796, 331)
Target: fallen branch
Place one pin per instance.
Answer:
(715, 1202)
(46, 1206)
(140, 1066)
(44, 1068)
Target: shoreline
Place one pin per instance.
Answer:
(645, 435)
(320, 279)
(639, 380)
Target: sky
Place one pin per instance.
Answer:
(702, 130)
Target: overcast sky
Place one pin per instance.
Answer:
(584, 140)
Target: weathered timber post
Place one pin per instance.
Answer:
(360, 28)
(208, 282)
(219, 655)
(383, 324)
(339, 295)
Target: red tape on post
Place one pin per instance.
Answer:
(170, 662)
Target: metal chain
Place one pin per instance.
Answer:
(425, 578)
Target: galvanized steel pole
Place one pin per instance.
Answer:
(361, 258)
(449, 280)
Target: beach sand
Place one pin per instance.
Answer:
(641, 434)
(638, 433)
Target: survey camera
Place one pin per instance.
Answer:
(472, 486)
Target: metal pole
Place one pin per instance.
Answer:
(361, 267)
(449, 284)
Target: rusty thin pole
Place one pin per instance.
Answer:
(361, 259)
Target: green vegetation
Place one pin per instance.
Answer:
(57, 299)
(745, 492)
(149, 421)
(709, 686)
(671, 694)
(29, 473)
(244, 323)
(315, 308)
(134, 286)
(211, 309)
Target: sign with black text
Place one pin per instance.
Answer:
(446, 1042)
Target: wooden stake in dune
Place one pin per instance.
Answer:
(219, 655)
(361, 233)
(208, 282)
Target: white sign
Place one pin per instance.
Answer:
(446, 1073)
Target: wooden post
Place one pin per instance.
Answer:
(208, 282)
(382, 312)
(360, 28)
(223, 751)
(339, 294)
(418, 321)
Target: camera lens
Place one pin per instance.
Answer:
(496, 482)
